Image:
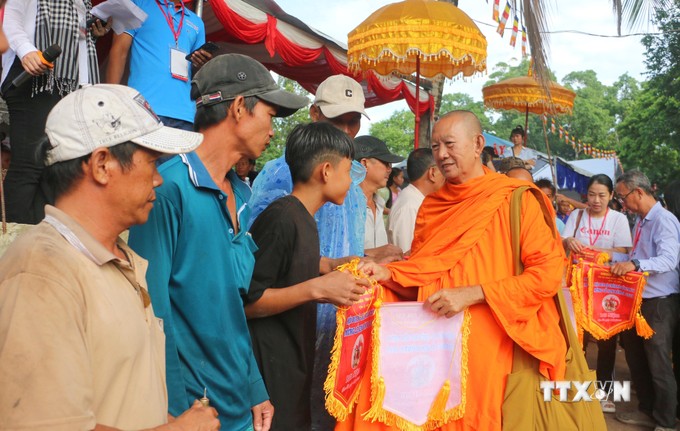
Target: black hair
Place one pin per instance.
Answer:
(308, 145)
(672, 198)
(209, 115)
(419, 161)
(61, 176)
(394, 173)
(545, 183)
(508, 163)
(518, 130)
(603, 180)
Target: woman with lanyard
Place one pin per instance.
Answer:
(601, 228)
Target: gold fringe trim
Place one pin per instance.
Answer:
(438, 416)
(583, 316)
(335, 407)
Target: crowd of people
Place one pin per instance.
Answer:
(218, 311)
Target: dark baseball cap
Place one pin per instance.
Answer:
(370, 147)
(230, 75)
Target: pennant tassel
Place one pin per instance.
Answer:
(642, 327)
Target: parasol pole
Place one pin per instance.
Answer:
(550, 157)
(526, 126)
(415, 142)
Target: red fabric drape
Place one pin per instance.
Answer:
(297, 58)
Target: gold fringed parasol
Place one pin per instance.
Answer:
(525, 94)
(425, 37)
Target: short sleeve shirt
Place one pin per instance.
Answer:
(612, 231)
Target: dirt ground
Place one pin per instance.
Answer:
(621, 373)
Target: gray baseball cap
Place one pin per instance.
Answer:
(230, 75)
(370, 147)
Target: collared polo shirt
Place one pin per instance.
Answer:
(77, 345)
(658, 249)
(199, 268)
(150, 58)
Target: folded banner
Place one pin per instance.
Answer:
(607, 304)
(349, 357)
(419, 367)
(586, 255)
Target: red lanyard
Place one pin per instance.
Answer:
(171, 24)
(638, 231)
(590, 230)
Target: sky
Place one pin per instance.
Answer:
(608, 57)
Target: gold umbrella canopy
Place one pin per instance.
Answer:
(525, 94)
(417, 36)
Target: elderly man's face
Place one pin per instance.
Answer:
(135, 187)
(456, 149)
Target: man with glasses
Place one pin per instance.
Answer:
(425, 178)
(376, 158)
(656, 250)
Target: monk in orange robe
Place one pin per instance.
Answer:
(462, 258)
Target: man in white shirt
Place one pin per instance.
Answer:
(425, 178)
(374, 155)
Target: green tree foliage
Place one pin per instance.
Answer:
(283, 126)
(649, 131)
(398, 130)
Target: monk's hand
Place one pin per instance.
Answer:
(385, 254)
(262, 416)
(621, 268)
(374, 270)
(573, 245)
(340, 288)
(451, 301)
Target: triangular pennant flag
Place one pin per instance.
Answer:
(515, 29)
(504, 19)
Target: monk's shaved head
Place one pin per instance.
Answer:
(465, 118)
(520, 173)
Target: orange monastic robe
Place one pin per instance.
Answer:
(462, 238)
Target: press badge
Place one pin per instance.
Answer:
(179, 66)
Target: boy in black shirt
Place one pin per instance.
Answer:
(281, 302)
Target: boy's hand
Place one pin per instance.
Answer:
(340, 288)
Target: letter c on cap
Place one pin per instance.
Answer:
(348, 93)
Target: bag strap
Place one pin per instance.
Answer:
(578, 223)
(522, 359)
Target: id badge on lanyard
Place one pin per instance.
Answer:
(179, 65)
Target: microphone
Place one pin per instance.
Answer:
(48, 56)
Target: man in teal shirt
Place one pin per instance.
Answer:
(201, 254)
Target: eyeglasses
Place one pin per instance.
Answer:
(621, 199)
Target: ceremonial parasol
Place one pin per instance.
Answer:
(525, 94)
(425, 37)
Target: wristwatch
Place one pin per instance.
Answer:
(636, 263)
